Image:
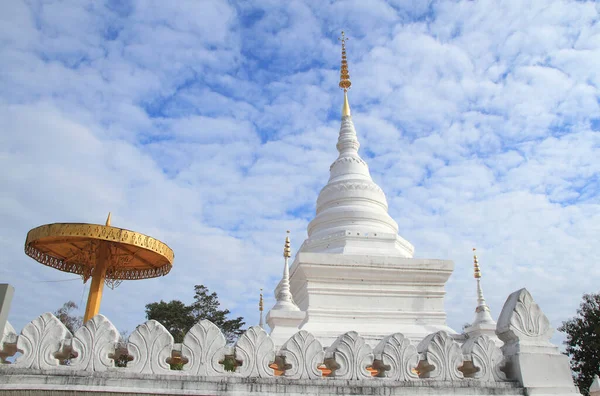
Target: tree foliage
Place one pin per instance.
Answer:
(206, 306)
(174, 315)
(583, 341)
(66, 315)
(179, 318)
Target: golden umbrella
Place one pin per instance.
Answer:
(104, 253)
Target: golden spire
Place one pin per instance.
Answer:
(261, 321)
(287, 251)
(477, 271)
(260, 302)
(481, 304)
(108, 220)
(344, 75)
(345, 82)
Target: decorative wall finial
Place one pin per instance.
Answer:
(108, 220)
(481, 304)
(285, 317)
(283, 294)
(484, 323)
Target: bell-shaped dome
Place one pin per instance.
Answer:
(352, 211)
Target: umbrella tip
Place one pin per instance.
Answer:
(108, 220)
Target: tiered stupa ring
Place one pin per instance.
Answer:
(70, 247)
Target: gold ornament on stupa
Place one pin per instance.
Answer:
(104, 253)
(345, 82)
(344, 73)
(476, 269)
(261, 305)
(287, 250)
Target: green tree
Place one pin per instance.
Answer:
(174, 315)
(179, 318)
(583, 341)
(66, 315)
(206, 306)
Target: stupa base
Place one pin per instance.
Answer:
(373, 295)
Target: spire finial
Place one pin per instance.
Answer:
(283, 293)
(476, 269)
(481, 304)
(260, 301)
(345, 82)
(484, 323)
(261, 321)
(108, 220)
(287, 251)
(344, 74)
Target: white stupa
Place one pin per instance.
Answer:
(483, 324)
(285, 317)
(354, 272)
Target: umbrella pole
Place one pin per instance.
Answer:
(98, 275)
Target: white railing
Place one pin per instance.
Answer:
(46, 344)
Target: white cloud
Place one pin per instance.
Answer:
(211, 126)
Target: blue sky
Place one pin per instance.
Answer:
(211, 125)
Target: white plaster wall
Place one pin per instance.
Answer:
(373, 295)
(38, 383)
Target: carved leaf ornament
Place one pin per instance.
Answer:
(485, 357)
(150, 345)
(304, 354)
(93, 343)
(349, 356)
(255, 350)
(40, 341)
(443, 357)
(528, 317)
(396, 358)
(204, 347)
(522, 320)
